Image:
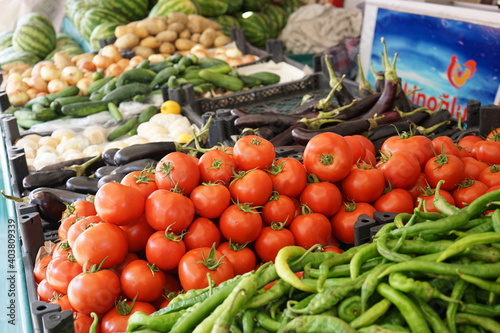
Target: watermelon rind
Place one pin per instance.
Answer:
(6, 39)
(102, 31)
(96, 16)
(227, 22)
(133, 10)
(254, 5)
(34, 37)
(19, 56)
(257, 28)
(165, 7)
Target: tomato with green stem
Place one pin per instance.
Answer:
(116, 319)
(142, 281)
(272, 239)
(279, 208)
(202, 233)
(473, 167)
(447, 167)
(82, 323)
(62, 249)
(60, 272)
(321, 197)
(343, 222)
(45, 291)
(427, 195)
(467, 191)
(197, 264)
(328, 156)
(445, 144)
(253, 186)
(137, 233)
(487, 151)
(80, 208)
(253, 152)
(241, 257)
(177, 170)
(165, 249)
(401, 168)
(131, 256)
(143, 180)
(217, 166)
(311, 228)
(79, 226)
(241, 223)
(164, 207)
(419, 145)
(490, 176)
(288, 175)
(119, 204)
(65, 224)
(367, 143)
(357, 148)
(364, 183)
(467, 143)
(62, 301)
(210, 199)
(396, 200)
(94, 290)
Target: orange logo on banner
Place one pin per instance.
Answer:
(457, 75)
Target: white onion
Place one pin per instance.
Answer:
(18, 97)
(50, 72)
(78, 142)
(147, 128)
(16, 85)
(61, 134)
(71, 75)
(56, 85)
(29, 152)
(48, 141)
(29, 162)
(35, 137)
(42, 160)
(159, 137)
(93, 150)
(36, 82)
(71, 154)
(25, 142)
(135, 140)
(95, 134)
(46, 149)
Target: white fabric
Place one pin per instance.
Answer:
(13, 10)
(314, 28)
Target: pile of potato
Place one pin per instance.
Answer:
(168, 35)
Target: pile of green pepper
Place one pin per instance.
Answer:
(423, 272)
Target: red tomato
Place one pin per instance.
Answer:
(493, 188)
(369, 158)
(323, 198)
(82, 323)
(473, 167)
(177, 170)
(416, 188)
(165, 249)
(116, 319)
(446, 144)
(119, 204)
(428, 197)
(467, 143)
(343, 221)
(252, 186)
(40, 268)
(45, 291)
(241, 257)
(240, 223)
(400, 168)
(447, 167)
(94, 291)
(332, 248)
(210, 199)
(137, 233)
(202, 233)
(142, 280)
(60, 271)
(289, 176)
(367, 143)
(397, 200)
(216, 166)
(197, 263)
(143, 180)
(311, 229)
(328, 156)
(118, 269)
(420, 146)
(467, 191)
(80, 208)
(62, 301)
(62, 249)
(252, 151)
(487, 151)
(80, 226)
(490, 176)
(164, 207)
(272, 239)
(66, 223)
(357, 148)
(102, 243)
(363, 184)
(279, 208)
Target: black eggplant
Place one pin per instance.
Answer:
(104, 171)
(82, 184)
(65, 195)
(47, 179)
(238, 112)
(97, 162)
(108, 156)
(266, 132)
(137, 165)
(406, 122)
(285, 137)
(364, 87)
(48, 204)
(437, 117)
(109, 179)
(255, 120)
(286, 151)
(153, 150)
(401, 101)
(359, 107)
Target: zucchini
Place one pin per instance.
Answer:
(126, 92)
(83, 109)
(195, 74)
(28, 123)
(68, 91)
(142, 75)
(210, 62)
(163, 76)
(158, 66)
(266, 77)
(58, 103)
(45, 114)
(250, 81)
(38, 100)
(24, 114)
(227, 82)
(96, 85)
(122, 129)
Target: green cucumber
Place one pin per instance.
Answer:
(38, 100)
(147, 114)
(227, 82)
(195, 74)
(97, 95)
(144, 64)
(266, 77)
(163, 76)
(194, 59)
(58, 103)
(208, 62)
(97, 75)
(158, 66)
(203, 88)
(173, 82)
(185, 61)
(68, 91)
(122, 129)
(83, 109)
(196, 81)
(175, 58)
(250, 81)
(37, 106)
(96, 85)
(115, 112)
(142, 75)
(28, 123)
(24, 114)
(126, 92)
(45, 114)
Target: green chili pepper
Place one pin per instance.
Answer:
(441, 204)
(264, 321)
(443, 225)
(350, 308)
(463, 243)
(248, 320)
(371, 315)
(487, 323)
(139, 320)
(368, 252)
(483, 227)
(482, 309)
(387, 253)
(95, 322)
(451, 309)
(318, 323)
(278, 289)
(483, 284)
(495, 220)
(410, 311)
(475, 222)
(370, 284)
(383, 329)
(435, 322)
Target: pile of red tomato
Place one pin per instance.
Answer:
(190, 219)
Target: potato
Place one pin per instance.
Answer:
(143, 51)
(207, 37)
(142, 32)
(154, 25)
(167, 48)
(184, 44)
(151, 42)
(176, 26)
(133, 24)
(62, 60)
(185, 34)
(196, 23)
(127, 41)
(167, 36)
(221, 40)
(195, 37)
(177, 17)
(123, 30)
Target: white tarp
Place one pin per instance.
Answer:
(13, 10)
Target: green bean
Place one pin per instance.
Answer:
(495, 220)
(264, 321)
(360, 257)
(412, 314)
(443, 225)
(463, 243)
(482, 309)
(483, 284)
(451, 309)
(493, 296)
(139, 320)
(387, 253)
(345, 269)
(435, 322)
(317, 323)
(487, 323)
(370, 285)
(350, 308)
(432, 216)
(371, 315)
(328, 282)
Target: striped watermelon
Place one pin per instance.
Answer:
(96, 16)
(212, 8)
(291, 5)
(78, 15)
(64, 39)
(277, 15)
(102, 31)
(227, 22)
(234, 6)
(34, 37)
(133, 10)
(6, 39)
(68, 49)
(19, 56)
(257, 28)
(254, 5)
(164, 7)
(36, 17)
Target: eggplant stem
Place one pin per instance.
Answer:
(81, 168)
(13, 198)
(364, 83)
